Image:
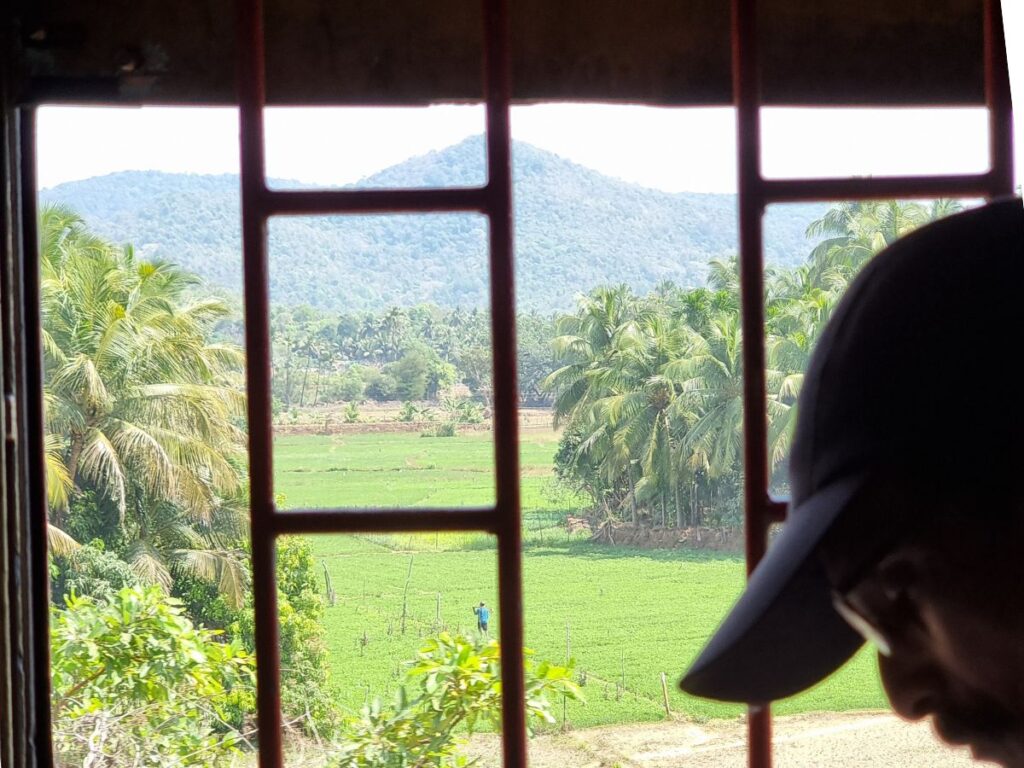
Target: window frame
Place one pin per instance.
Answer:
(26, 735)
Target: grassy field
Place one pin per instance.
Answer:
(631, 614)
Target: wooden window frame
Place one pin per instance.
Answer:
(28, 686)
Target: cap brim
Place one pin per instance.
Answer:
(783, 635)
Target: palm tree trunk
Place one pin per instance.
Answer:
(77, 444)
(679, 507)
(316, 387)
(632, 492)
(288, 384)
(305, 375)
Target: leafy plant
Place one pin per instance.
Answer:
(351, 414)
(408, 412)
(452, 686)
(136, 684)
(305, 684)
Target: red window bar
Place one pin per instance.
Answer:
(756, 192)
(495, 201)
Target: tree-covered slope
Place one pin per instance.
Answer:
(575, 228)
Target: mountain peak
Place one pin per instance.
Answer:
(575, 228)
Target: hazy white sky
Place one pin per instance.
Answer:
(669, 149)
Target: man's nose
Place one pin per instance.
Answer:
(912, 682)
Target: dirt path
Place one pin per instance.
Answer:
(821, 740)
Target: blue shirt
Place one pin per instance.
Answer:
(483, 613)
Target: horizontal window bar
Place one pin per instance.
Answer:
(483, 519)
(328, 201)
(802, 190)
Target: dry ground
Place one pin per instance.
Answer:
(820, 740)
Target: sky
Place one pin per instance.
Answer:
(673, 150)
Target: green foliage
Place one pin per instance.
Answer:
(204, 603)
(91, 572)
(444, 429)
(651, 387)
(454, 683)
(351, 413)
(462, 410)
(135, 684)
(401, 353)
(306, 694)
(93, 517)
(349, 386)
(142, 407)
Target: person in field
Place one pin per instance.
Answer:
(906, 524)
(483, 616)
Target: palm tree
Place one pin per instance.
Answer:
(711, 376)
(854, 232)
(582, 343)
(638, 408)
(141, 405)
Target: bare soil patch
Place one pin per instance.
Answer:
(384, 418)
(818, 740)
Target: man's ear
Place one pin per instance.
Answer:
(904, 572)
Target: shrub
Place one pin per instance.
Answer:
(408, 412)
(90, 572)
(351, 414)
(453, 685)
(305, 684)
(136, 684)
(444, 429)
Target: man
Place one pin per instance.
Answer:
(906, 526)
(483, 615)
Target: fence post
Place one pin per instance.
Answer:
(568, 656)
(405, 593)
(664, 693)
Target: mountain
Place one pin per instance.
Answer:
(575, 228)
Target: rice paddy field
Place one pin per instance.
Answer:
(628, 615)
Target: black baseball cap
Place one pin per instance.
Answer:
(911, 375)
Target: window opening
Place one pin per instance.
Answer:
(755, 193)
(494, 199)
(262, 204)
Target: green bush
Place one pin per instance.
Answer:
(351, 413)
(305, 686)
(452, 686)
(408, 412)
(90, 572)
(136, 684)
(444, 429)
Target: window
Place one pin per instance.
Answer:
(492, 200)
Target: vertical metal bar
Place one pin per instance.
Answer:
(31, 426)
(751, 209)
(997, 98)
(251, 98)
(13, 749)
(497, 83)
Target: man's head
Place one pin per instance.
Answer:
(907, 519)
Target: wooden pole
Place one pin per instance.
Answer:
(405, 593)
(568, 656)
(664, 693)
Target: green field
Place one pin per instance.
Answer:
(631, 614)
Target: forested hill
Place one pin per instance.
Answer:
(575, 228)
